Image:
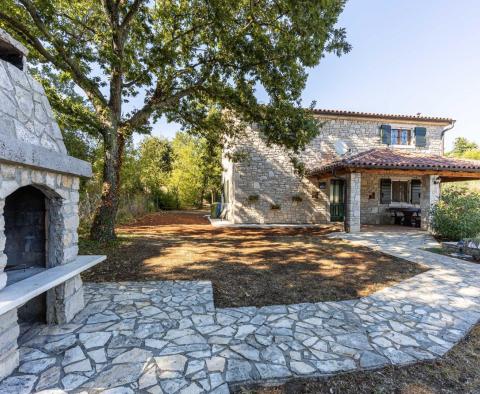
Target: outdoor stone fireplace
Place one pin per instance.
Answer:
(39, 193)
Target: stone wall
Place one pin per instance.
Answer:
(363, 134)
(265, 177)
(25, 113)
(266, 189)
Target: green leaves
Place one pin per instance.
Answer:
(184, 57)
(456, 215)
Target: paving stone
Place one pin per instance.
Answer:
(247, 351)
(135, 355)
(18, 384)
(268, 371)
(273, 355)
(119, 390)
(216, 364)
(80, 366)
(370, 360)
(72, 381)
(355, 341)
(148, 379)
(301, 368)
(37, 366)
(73, 355)
(94, 339)
(173, 385)
(117, 375)
(239, 371)
(29, 354)
(98, 355)
(171, 363)
(49, 378)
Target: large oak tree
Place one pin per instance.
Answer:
(112, 67)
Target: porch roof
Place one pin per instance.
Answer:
(396, 160)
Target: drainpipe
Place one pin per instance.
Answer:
(450, 127)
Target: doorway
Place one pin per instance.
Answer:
(337, 200)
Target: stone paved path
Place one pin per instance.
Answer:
(167, 337)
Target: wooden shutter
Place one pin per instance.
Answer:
(385, 191)
(421, 137)
(386, 132)
(416, 191)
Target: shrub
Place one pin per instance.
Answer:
(456, 215)
(275, 206)
(253, 198)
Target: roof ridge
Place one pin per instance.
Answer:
(426, 118)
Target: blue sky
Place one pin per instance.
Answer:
(408, 56)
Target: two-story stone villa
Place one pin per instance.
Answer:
(362, 168)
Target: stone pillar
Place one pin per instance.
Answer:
(65, 301)
(352, 202)
(430, 195)
(9, 331)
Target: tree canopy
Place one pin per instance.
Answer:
(465, 149)
(111, 67)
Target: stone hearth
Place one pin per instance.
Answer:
(39, 194)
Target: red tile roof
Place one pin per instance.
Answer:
(384, 158)
(413, 118)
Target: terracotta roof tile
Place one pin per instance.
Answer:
(413, 118)
(384, 158)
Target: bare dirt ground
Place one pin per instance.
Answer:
(457, 372)
(247, 267)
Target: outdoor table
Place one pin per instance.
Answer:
(407, 212)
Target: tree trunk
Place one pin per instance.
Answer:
(103, 226)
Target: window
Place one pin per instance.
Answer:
(401, 137)
(416, 191)
(399, 191)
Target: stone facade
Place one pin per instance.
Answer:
(261, 185)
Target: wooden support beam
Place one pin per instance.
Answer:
(446, 175)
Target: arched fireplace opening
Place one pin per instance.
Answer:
(25, 215)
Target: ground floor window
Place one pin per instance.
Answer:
(400, 191)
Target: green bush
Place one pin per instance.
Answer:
(456, 215)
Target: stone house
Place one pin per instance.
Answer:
(362, 168)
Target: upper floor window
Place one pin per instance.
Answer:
(401, 137)
(404, 136)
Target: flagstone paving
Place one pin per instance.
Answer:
(167, 337)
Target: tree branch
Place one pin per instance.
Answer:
(90, 88)
(130, 14)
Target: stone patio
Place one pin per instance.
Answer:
(167, 337)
